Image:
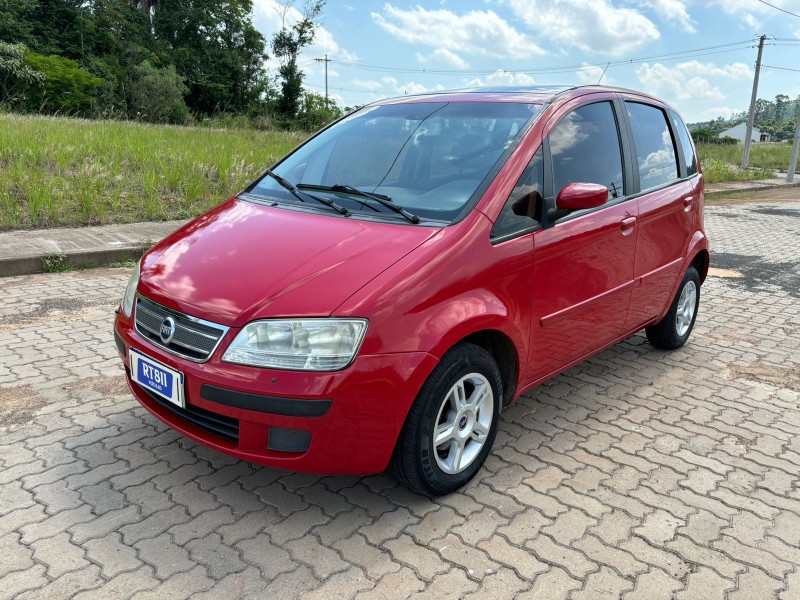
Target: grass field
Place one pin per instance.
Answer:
(721, 162)
(56, 171)
(68, 172)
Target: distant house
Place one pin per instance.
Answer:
(739, 132)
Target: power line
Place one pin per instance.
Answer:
(780, 68)
(780, 9)
(696, 52)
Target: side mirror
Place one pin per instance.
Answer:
(578, 196)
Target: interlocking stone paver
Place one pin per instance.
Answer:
(272, 560)
(637, 474)
(164, 556)
(654, 585)
(419, 557)
(59, 554)
(322, 560)
(394, 586)
(112, 555)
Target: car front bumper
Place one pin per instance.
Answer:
(338, 423)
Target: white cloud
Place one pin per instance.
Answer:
(450, 58)
(442, 55)
(267, 20)
(675, 84)
(591, 75)
(672, 10)
(751, 12)
(717, 111)
(476, 32)
(594, 26)
(733, 71)
(501, 77)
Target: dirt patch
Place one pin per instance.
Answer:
(782, 377)
(767, 195)
(59, 310)
(106, 386)
(758, 272)
(19, 404)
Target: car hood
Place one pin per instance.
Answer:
(244, 261)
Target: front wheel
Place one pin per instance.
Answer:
(452, 424)
(674, 329)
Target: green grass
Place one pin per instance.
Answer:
(68, 172)
(722, 162)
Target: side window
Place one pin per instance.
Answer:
(686, 143)
(655, 149)
(523, 208)
(585, 148)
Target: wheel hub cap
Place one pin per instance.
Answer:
(463, 423)
(687, 305)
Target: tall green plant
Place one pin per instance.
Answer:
(286, 46)
(17, 77)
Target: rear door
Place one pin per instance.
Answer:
(583, 260)
(667, 194)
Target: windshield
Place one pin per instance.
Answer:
(428, 158)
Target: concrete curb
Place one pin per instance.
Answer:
(28, 265)
(754, 188)
(23, 252)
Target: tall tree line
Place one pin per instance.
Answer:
(155, 60)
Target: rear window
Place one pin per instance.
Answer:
(655, 148)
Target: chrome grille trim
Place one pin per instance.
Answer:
(194, 339)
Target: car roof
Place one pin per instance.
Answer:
(534, 94)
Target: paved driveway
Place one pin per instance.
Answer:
(639, 474)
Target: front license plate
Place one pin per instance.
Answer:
(157, 378)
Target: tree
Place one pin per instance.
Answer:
(286, 46)
(17, 77)
(67, 88)
(216, 49)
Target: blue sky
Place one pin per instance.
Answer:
(384, 49)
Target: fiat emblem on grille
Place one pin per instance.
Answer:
(167, 330)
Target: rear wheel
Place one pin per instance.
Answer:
(674, 329)
(452, 424)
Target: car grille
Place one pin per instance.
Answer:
(194, 339)
(219, 425)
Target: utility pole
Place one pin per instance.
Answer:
(325, 60)
(753, 98)
(795, 148)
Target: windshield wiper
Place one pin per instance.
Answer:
(300, 195)
(349, 189)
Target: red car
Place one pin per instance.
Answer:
(384, 291)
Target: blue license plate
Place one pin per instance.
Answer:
(157, 377)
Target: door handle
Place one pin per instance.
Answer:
(627, 225)
(687, 202)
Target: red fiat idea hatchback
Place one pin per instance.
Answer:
(382, 292)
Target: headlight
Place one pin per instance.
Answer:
(298, 344)
(130, 291)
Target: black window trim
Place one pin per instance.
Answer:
(629, 175)
(499, 239)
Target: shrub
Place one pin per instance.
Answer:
(156, 94)
(67, 87)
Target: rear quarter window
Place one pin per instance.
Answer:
(687, 148)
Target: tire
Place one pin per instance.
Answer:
(454, 401)
(674, 329)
